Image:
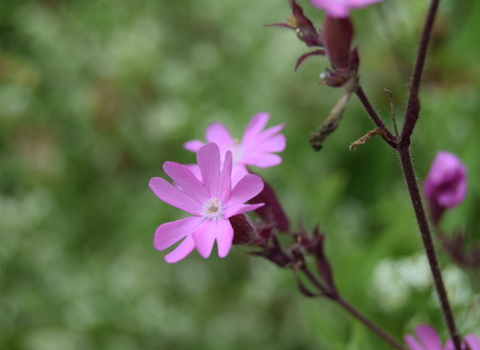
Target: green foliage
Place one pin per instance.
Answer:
(96, 95)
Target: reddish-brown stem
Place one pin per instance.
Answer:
(380, 332)
(413, 106)
(334, 296)
(402, 146)
(422, 221)
(390, 139)
(411, 117)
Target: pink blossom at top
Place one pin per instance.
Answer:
(256, 147)
(426, 338)
(341, 8)
(446, 182)
(211, 204)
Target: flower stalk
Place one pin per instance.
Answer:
(411, 117)
(401, 145)
(409, 173)
(413, 107)
(337, 298)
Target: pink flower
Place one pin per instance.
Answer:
(446, 182)
(472, 341)
(341, 8)
(256, 147)
(211, 204)
(428, 339)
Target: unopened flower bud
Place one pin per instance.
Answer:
(337, 37)
(243, 230)
(272, 211)
(316, 248)
(446, 184)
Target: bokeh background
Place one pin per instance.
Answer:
(96, 94)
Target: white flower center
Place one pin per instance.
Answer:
(212, 209)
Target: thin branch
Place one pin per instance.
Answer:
(390, 139)
(422, 221)
(392, 111)
(316, 282)
(380, 332)
(334, 296)
(413, 106)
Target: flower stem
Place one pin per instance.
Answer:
(411, 117)
(390, 139)
(380, 332)
(335, 297)
(411, 180)
(413, 106)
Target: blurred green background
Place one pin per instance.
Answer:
(96, 95)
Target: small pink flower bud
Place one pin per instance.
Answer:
(446, 183)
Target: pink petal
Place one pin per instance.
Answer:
(272, 131)
(193, 145)
(333, 8)
(274, 144)
(429, 337)
(195, 169)
(255, 126)
(341, 9)
(449, 345)
(208, 159)
(181, 251)
(224, 236)
(247, 188)
(173, 196)
(218, 133)
(239, 209)
(412, 343)
(171, 232)
(224, 185)
(184, 178)
(238, 172)
(472, 341)
(362, 3)
(204, 237)
(262, 160)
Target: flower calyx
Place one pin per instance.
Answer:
(302, 26)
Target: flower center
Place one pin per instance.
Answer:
(212, 208)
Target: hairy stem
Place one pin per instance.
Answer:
(413, 106)
(422, 221)
(411, 117)
(380, 332)
(334, 296)
(390, 139)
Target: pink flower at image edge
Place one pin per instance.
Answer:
(341, 8)
(211, 204)
(426, 338)
(255, 148)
